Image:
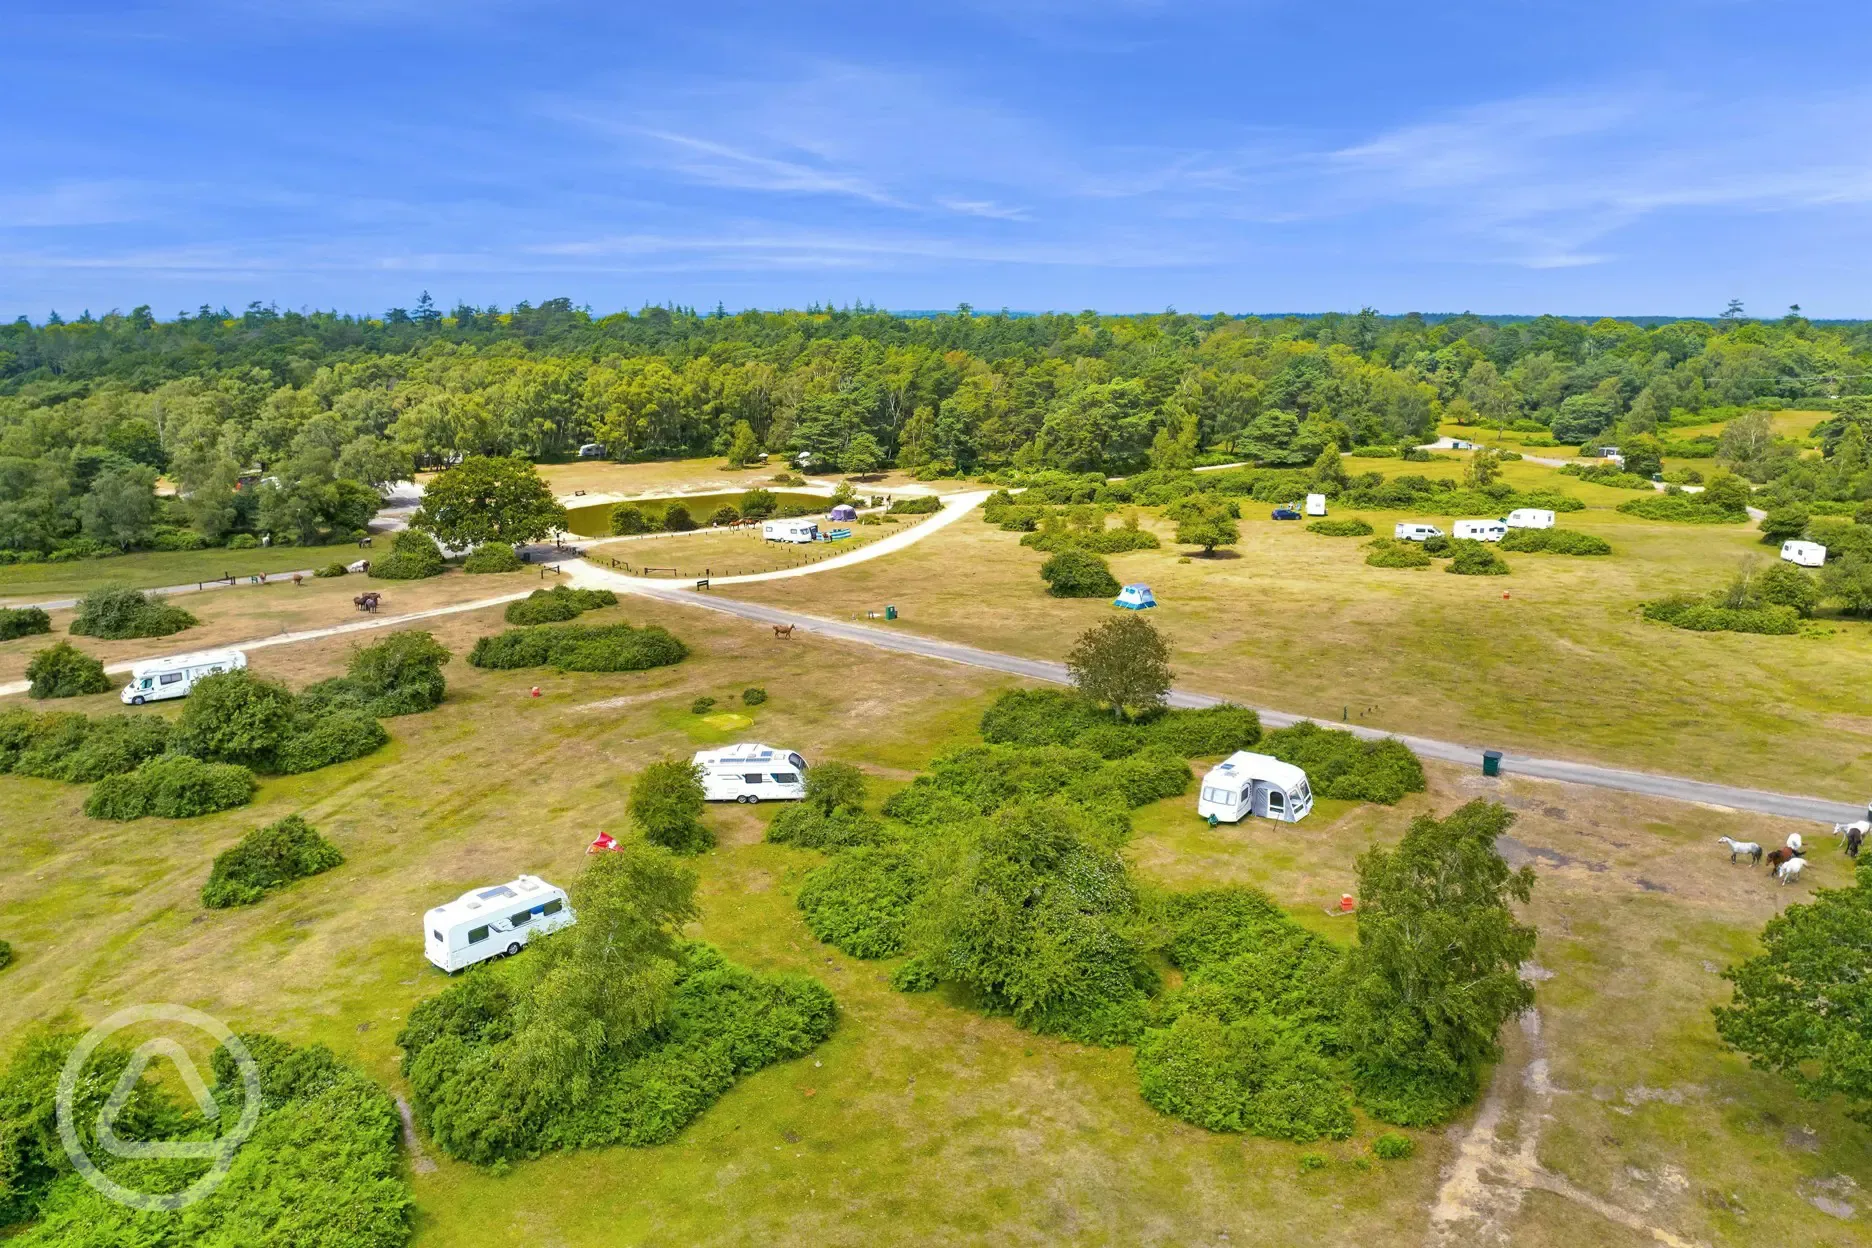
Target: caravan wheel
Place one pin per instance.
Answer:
(753, 799)
(513, 949)
(137, 701)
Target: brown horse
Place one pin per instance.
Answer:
(1779, 856)
(783, 632)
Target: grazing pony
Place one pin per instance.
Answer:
(782, 632)
(1742, 849)
(1790, 870)
(1855, 834)
(1781, 857)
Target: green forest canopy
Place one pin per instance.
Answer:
(282, 423)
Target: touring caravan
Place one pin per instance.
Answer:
(1316, 505)
(799, 532)
(160, 679)
(751, 773)
(1411, 531)
(1254, 784)
(1805, 554)
(1529, 518)
(1481, 530)
(488, 922)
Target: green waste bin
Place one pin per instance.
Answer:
(1491, 762)
(890, 613)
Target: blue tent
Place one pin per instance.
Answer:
(844, 511)
(1134, 598)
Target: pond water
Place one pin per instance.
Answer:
(595, 521)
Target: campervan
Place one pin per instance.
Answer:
(797, 531)
(173, 677)
(485, 923)
(1481, 530)
(1254, 784)
(1411, 531)
(1805, 554)
(1529, 518)
(751, 773)
(1316, 505)
(592, 450)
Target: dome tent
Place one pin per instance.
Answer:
(844, 511)
(1134, 598)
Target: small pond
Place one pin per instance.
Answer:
(595, 521)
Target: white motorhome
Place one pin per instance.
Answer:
(1805, 554)
(161, 679)
(797, 531)
(1316, 505)
(1411, 531)
(1529, 518)
(486, 923)
(750, 773)
(1254, 784)
(1481, 530)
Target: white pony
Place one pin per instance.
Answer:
(1742, 849)
(1790, 870)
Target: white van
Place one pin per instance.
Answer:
(1529, 518)
(1254, 784)
(489, 922)
(1316, 505)
(751, 773)
(1481, 530)
(797, 531)
(1411, 531)
(160, 679)
(1805, 554)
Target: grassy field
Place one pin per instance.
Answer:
(1562, 665)
(28, 582)
(920, 1119)
(694, 476)
(736, 552)
(252, 611)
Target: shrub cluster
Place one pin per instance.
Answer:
(6, 955)
(172, 786)
(266, 859)
(62, 670)
(414, 556)
(23, 622)
(115, 613)
(925, 506)
(860, 902)
(1555, 541)
(1607, 474)
(70, 747)
(753, 696)
(322, 1167)
(492, 557)
(1702, 616)
(576, 648)
(1393, 1146)
(1075, 572)
(236, 717)
(1127, 537)
(645, 1031)
(1475, 559)
(666, 806)
(1711, 506)
(1058, 717)
(981, 779)
(560, 603)
(628, 519)
(1386, 552)
(1354, 527)
(1248, 1042)
(1343, 766)
(400, 675)
(331, 570)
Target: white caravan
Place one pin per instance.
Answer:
(1316, 505)
(1254, 784)
(1529, 518)
(751, 772)
(173, 677)
(488, 922)
(1481, 530)
(1410, 531)
(1806, 554)
(797, 531)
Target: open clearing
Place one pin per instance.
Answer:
(920, 1118)
(32, 582)
(1563, 666)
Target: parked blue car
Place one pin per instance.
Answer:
(1285, 513)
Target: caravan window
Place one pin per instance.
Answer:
(495, 893)
(1304, 792)
(521, 919)
(796, 761)
(438, 938)
(170, 678)
(1218, 795)
(785, 777)
(476, 935)
(1277, 800)
(552, 907)
(751, 777)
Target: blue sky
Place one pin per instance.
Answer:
(1627, 158)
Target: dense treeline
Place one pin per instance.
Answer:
(277, 424)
